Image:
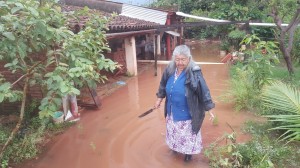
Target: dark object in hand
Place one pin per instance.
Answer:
(146, 113)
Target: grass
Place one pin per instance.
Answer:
(281, 73)
(262, 151)
(282, 153)
(30, 140)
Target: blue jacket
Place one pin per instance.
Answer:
(177, 102)
(197, 92)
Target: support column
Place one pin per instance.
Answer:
(158, 49)
(130, 52)
(154, 45)
(155, 54)
(168, 40)
(182, 41)
(168, 47)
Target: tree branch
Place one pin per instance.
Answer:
(23, 76)
(27, 74)
(294, 20)
(277, 20)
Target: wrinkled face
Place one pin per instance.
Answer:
(181, 62)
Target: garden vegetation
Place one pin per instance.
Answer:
(37, 43)
(264, 79)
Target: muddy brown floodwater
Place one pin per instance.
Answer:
(114, 136)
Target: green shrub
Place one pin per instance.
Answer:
(225, 46)
(285, 155)
(4, 133)
(248, 77)
(262, 151)
(24, 147)
(241, 91)
(235, 37)
(260, 64)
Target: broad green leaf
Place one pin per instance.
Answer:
(40, 28)
(5, 86)
(21, 51)
(44, 114)
(57, 101)
(87, 61)
(15, 9)
(75, 91)
(9, 35)
(71, 75)
(64, 88)
(3, 4)
(1, 28)
(52, 107)
(33, 11)
(18, 4)
(1, 97)
(57, 78)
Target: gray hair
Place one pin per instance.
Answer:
(181, 50)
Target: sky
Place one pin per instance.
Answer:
(135, 2)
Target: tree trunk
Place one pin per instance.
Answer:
(288, 60)
(286, 54)
(22, 111)
(286, 33)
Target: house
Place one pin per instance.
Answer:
(137, 32)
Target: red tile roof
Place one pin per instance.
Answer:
(117, 23)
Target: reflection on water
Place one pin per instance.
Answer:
(205, 52)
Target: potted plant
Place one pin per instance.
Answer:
(235, 37)
(224, 47)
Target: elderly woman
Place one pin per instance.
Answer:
(187, 99)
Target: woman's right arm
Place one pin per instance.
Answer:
(157, 103)
(161, 93)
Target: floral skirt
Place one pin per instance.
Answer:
(179, 137)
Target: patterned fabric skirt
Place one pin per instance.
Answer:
(179, 137)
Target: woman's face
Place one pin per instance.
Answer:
(181, 62)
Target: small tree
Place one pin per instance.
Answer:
(280, 10)
(262, 56)
(36, 43)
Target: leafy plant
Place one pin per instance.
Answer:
(261, 57)
(263, 152)
(259, 152)
(36, 43)
(224, 156)
(248, 77)
(235, 37)
(225, 45)
(280, 96)
(241, 91)
(282, 154)
(236, 34)
(24, 148)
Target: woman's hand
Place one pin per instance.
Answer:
(157, 103)
(212, 116)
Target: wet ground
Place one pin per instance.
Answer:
(114, 136)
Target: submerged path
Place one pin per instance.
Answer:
(114, 136)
